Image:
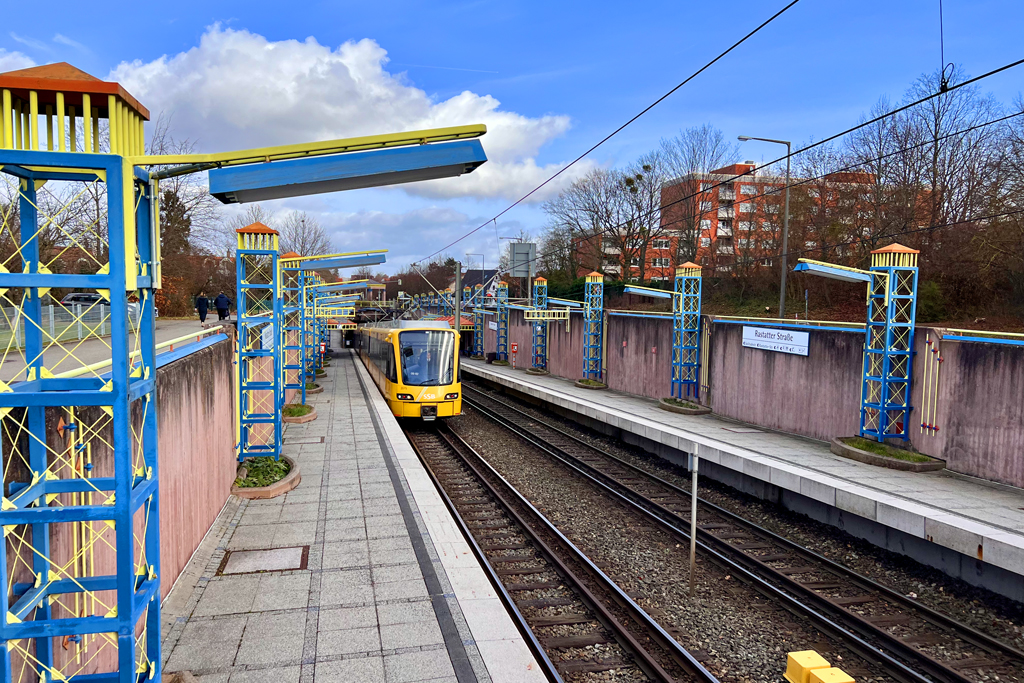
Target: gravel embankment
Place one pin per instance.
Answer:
(983, 610)
(744, 636)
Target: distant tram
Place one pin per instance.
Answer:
(416, 367)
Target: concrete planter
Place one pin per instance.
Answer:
(290, 481)
(597, 387)
(308, 417)
(665, 405)
(476, 357)
(317, 390)
(844, 451)
(537, 371)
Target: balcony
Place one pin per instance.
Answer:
(724, 229)
(726, 212)
(727, 193)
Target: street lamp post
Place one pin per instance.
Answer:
(785, 220)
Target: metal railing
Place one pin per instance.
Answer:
(62, 323)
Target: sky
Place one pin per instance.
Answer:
(548, 78)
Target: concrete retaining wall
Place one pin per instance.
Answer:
(979, 407)
(817, 395)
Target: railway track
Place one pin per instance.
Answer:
(911, 642)
(577, 620)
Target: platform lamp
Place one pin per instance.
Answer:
(785, 219)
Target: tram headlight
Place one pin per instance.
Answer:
(452, 396)
(404, 397)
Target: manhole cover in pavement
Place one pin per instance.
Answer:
(273, 560)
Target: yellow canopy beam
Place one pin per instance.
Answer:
(194, 163)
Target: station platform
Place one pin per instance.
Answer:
(358, 574)
(968, 528)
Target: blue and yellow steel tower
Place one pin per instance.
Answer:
(593, 327)
(502, 336)
(80, 507)
(259, 342)
(686, 332)
(291, 330)
(889, 344)
(540, 327)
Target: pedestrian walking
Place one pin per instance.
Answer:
(202, 306)
(222, 304)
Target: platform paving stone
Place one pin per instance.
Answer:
(360, 611)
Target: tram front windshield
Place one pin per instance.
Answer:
(428, 357)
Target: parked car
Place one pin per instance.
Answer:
(87, 299)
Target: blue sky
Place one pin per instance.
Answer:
(548, 78)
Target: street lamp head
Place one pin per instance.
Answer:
(743, 138)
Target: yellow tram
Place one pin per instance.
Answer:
(416, 367)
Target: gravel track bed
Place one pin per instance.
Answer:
(988, 612)
(745, 636)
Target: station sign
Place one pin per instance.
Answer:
(492, 325)
(770, 339)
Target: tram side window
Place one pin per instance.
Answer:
(383, 356)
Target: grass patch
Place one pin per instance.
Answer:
(682, 404)
(296, 410)
(263, 471)
(591, 382)
(884, 449)
(312, 385)
(321, 373)
(500, 362)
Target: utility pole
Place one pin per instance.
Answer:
(457, 299)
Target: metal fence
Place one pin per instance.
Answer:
(60, 323)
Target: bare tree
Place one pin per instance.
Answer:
(585, 213)
(304, 235)
(693, 153)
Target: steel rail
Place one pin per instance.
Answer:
(658, 635)
(797, 598)
(933, 616)
(521, 624)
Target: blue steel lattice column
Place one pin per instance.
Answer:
(502, 336)
(593, 327)
(80, 508)
(686, 332)
(259, 368)
(291, 330)
(540, 327)
(889, 344)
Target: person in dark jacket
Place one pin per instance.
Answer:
(202, 306)
(222, 304)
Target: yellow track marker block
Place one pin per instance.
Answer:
(799, 665)
(830, 675)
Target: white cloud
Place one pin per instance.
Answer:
(64, 40)
(12, 61)
(30, 42)
(237, 89)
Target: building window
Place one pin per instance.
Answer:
(705, 206)
(635, 261)
(705, 225)
(748, 225)
(660, 263)
(661, 244)
(748, 189)
(747, 207)
(742, 242)
(705, 186)
(813, 193)
(705, 241)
